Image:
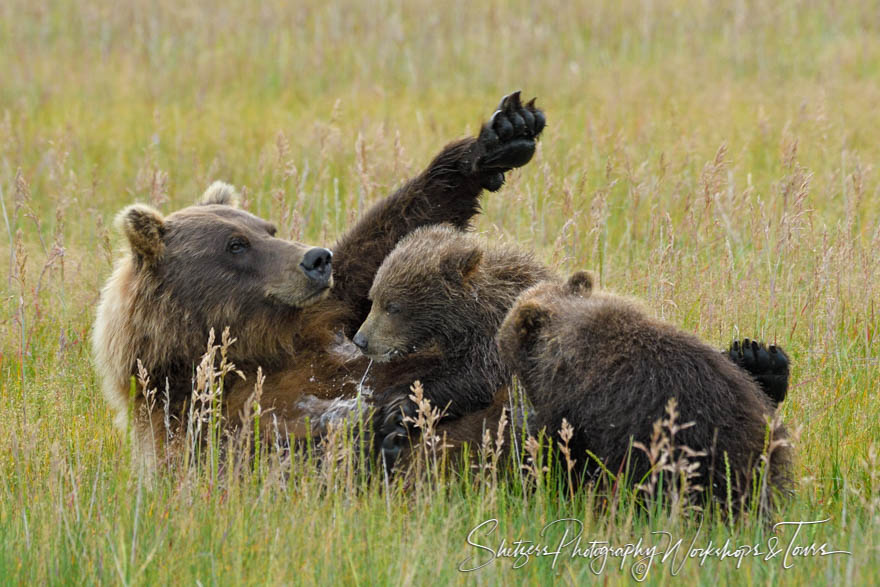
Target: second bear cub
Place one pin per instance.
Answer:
(600, 362)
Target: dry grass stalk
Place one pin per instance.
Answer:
(673, 467)
(431, 450)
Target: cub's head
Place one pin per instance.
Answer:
(538, 316)
(420, 292)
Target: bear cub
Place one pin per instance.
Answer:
(437, 302)
(598, 360)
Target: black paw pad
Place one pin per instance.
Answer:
(493, 182)
(508, 139)
(768, 365)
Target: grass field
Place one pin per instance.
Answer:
(719, 162)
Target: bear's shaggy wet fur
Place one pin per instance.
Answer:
(213, 265)
(602, 363)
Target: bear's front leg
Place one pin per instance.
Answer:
(447, 191)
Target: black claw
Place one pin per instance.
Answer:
(394, 439)
(515, 99)
(503, 104)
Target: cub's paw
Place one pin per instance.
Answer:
(392, 445)
(392, 429)
(508, 139)
(768, 365)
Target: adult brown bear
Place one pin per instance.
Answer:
(212, 266)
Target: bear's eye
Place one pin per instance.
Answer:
(237, 245)
(392, 308)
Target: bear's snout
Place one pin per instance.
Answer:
(372, 338)
(360, 341)
(317, 266)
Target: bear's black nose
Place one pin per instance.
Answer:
(360, 341)
(316, 264)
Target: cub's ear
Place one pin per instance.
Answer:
(581, 283)
(528, 322)
(144, 228)
(220, 193)
(460, 265)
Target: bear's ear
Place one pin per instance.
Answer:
(529, 321)
(460, 265)
(581, 283)
(221, 193)
(144, 228)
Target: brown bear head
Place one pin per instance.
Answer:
(539, 314)
(215, 255)
(207, 266)
(420, 292)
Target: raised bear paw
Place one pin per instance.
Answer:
(768, 365)
(508, 139)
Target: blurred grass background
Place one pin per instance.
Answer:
(717, 160)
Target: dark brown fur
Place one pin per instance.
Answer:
(600, 362)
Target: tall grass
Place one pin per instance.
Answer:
(718, 161)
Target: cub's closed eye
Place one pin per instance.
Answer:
(272, 230)
(237, 246)
(392, 308)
